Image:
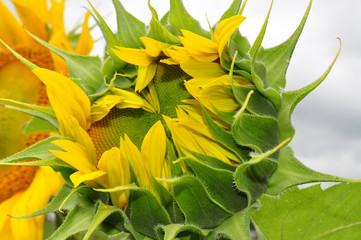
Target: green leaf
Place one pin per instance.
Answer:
(171, 231)
(181, 19)
(241, 45)
(146, 212)
(252, 177)
(235, 227)
(37, 151)
(219, 184)
(38, 125)
(259, 133)
(232, 10)
(226, 138)
(257, 104)
(159, 32)
(130, 29)
(86, 69)
(79, 219)
(196, 204)
(291, 172)
(276, 59)
(290, 100)
(312, 213)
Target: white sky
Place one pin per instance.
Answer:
(328, 121)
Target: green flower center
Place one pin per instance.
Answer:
(169, 85)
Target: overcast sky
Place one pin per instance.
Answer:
(328, 121)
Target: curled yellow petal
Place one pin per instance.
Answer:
(102, 106)
(131, 100)
(145, 75)
(78, 177)
(225, 29)
(153, 47)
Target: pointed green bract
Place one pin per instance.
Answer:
(171, 231)
(291, 172)
(276, 59)
(312, 213)
(232, 10)
(291, 98)
(180, 18)
(37, 125)
(130, 29)
(159, 32)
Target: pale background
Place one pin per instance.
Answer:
(328, 121)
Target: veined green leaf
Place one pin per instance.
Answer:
(252, 177)
(241, 45)
(276, 59)
(312, 213)
(130, 29)
(86, 69)
(37, 151)
(214, 162)
(159, 32)
(171, 231)
(291, 172)
(290, 100)
(219, 184)
(78, 219)
(235, 227)
(196, 204)
(181, 19)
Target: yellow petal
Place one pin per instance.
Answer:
(202, 70)
(131, 152)
(86, 41)
(177, 54)
(134, 56)
(66, 98)
(196, 44)
(117, 168)
(11, 31)
(145, 75)
(153, 149)
(153, 47)
(78, 177)
(57, 15)
(225, 29)
(35, 8)
(75, 154)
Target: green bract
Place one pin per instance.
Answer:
(204, 195)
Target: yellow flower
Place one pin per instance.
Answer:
(98, 164)
(144, 58)
(203, 49)
(24, 190)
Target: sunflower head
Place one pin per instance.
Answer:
(181, 127)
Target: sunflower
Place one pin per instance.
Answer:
(182, 128)
(45, 22)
